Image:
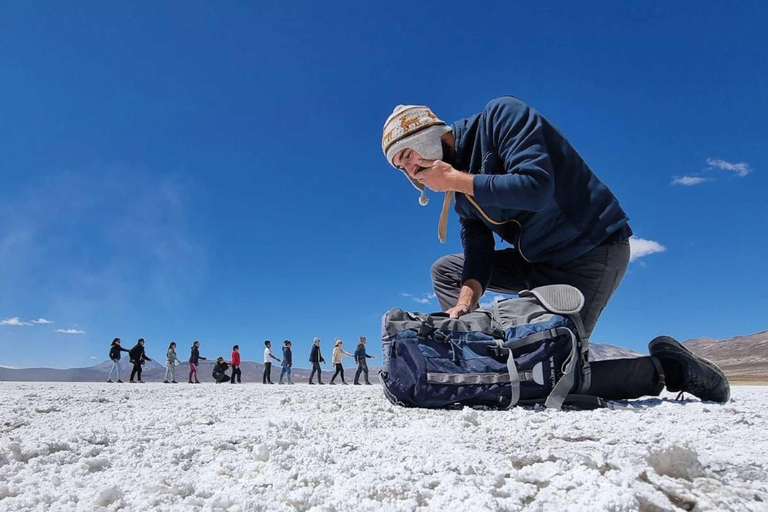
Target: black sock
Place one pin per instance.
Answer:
(673, 374)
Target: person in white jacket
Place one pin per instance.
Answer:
(170, 364)
(338, 354)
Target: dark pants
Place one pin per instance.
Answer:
(136, 370)
(339, 370)
(316, 368)
(267, 373)
(220, 377)
(362, 367)
(596, 274)
(236, 371)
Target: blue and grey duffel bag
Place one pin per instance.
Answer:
(518, 351)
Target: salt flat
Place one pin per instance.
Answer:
(70, 446)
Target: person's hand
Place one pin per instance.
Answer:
(440, 176)
(458, 310)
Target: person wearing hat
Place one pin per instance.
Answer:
(338, 355)
(219, 371)
(316, 357)
(514, 175)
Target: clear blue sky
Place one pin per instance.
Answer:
(213, 171)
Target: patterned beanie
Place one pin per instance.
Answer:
(417, 128)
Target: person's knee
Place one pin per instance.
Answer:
(441, 269)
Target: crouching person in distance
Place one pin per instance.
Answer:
(219, 370)
(515, 175)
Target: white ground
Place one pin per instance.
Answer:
(252, 447)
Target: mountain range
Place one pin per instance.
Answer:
(743, 359)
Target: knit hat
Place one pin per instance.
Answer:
(417, 128)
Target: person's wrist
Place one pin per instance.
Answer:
(463, 182)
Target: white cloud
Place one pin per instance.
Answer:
(491, 300)
(425, 298)
(741, 169)
(14, 321)
(41, 321)
(689, 180)
(70, 331)
(94, 357)
(640, 247)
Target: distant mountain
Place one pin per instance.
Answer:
(742, 359)
(601, 351)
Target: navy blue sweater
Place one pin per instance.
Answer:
(287, 357)
(530, 176)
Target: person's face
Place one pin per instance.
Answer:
(288, 345)
(141, 343)
(408, 160)
(117, 342)
(173, 345)
(237, 349)
(269, 345)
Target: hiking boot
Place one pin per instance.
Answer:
(109, 380)
(311, 383)
(120, 382)
(686, 372)
(141, 381)
(166, 382)
(357, 383)
(197, 382)
(332, 383)
(131, 382)
(174, 382)
(368, 383)
(323, 383)
(344, 383)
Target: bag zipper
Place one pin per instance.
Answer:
(496, 223)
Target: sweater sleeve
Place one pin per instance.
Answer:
(528, 179)
(479, 246)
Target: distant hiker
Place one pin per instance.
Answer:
(361, 358)
(236, 365)
(316, 357)
(138, 357)
(114, 356)
(513, 174)
(287, 362)
(268, 356)
(194, 360)
(338, 354)
(219, 371)
(170, 364)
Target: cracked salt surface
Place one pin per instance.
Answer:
(66, 446)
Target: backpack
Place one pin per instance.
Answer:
(518, 351)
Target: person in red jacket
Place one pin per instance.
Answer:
(235, 365)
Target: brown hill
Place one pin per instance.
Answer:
(743, 358)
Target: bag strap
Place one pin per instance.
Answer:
(565, 384)
(586, 370)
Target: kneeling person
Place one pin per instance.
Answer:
(219, 370)
(514, 175)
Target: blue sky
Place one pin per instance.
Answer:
(213, 171)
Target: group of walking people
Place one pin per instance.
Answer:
(138, 357)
